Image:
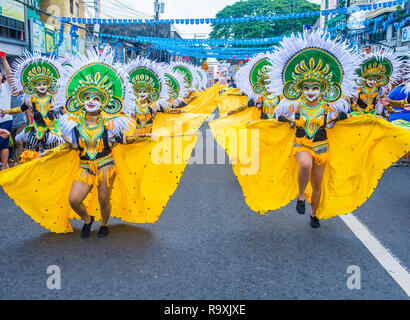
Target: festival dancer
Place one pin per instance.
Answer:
(37, 77)
(399, 100)
(150, 92)
(83, 167)
(377, 70)
(154, 87)
(176, 88)
(253, 80)
(332, 160)
(253, 100)
(187, 71)
(204, 102)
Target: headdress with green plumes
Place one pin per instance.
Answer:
(313, 57)
(149, 75)
(175, 84)
(32, 68)
(95, 75)
(383, 64)
(187, 71)
(252, 79)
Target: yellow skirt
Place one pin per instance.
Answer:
(91, 172)
(318, 150)
(361, 148)
(147, 171)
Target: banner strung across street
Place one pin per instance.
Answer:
(12, 9)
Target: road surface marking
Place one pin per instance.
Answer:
(386, 259)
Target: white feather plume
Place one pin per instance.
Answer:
(390, 55)
(407, 86)
(293, 44)
(191, 69)
(242, 77)
(80, 61)
(183, 92)
(156, 68)
(20, 63)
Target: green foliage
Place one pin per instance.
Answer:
(261, 29)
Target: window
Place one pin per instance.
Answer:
(76, 10)
(11, 28)
(326, 4)
(71, 6)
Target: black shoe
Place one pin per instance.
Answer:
(85, 231)
(300, 206)
(314, 222)
(404, 163)
(103, 232)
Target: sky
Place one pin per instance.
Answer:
(173, 9)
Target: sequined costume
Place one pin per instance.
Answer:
(30, 72)
(376, 71)
(355, 150)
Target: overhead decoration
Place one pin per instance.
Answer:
(249, 19)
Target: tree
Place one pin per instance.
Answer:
(261, 29)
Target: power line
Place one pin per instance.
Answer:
(109, 9)
(117, 3)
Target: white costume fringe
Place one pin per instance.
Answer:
(290, 46)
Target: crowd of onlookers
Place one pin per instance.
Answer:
(10, 150)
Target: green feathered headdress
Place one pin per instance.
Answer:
(32, 69)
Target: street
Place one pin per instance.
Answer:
(208, 245)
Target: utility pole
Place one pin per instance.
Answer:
(97, 7)
(158, 8)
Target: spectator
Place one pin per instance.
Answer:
(19, 123)
(6, 122)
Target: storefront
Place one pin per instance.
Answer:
(13, 28)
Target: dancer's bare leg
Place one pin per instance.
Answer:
(316, 182)
(78, 193)
(104, 194)
(305, 161)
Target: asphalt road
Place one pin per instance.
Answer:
(208, 244)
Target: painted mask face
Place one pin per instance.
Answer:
(92, 103)
(311, 91)
(142, 94)
(371, 81)
(42, 86)
(266, 83)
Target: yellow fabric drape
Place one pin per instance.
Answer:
(361, 148)
(230, 102)
(168, 124)
(248, 114)
(148, 174)
(205, 103)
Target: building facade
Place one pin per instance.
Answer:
(13, 28)
(386, 26)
